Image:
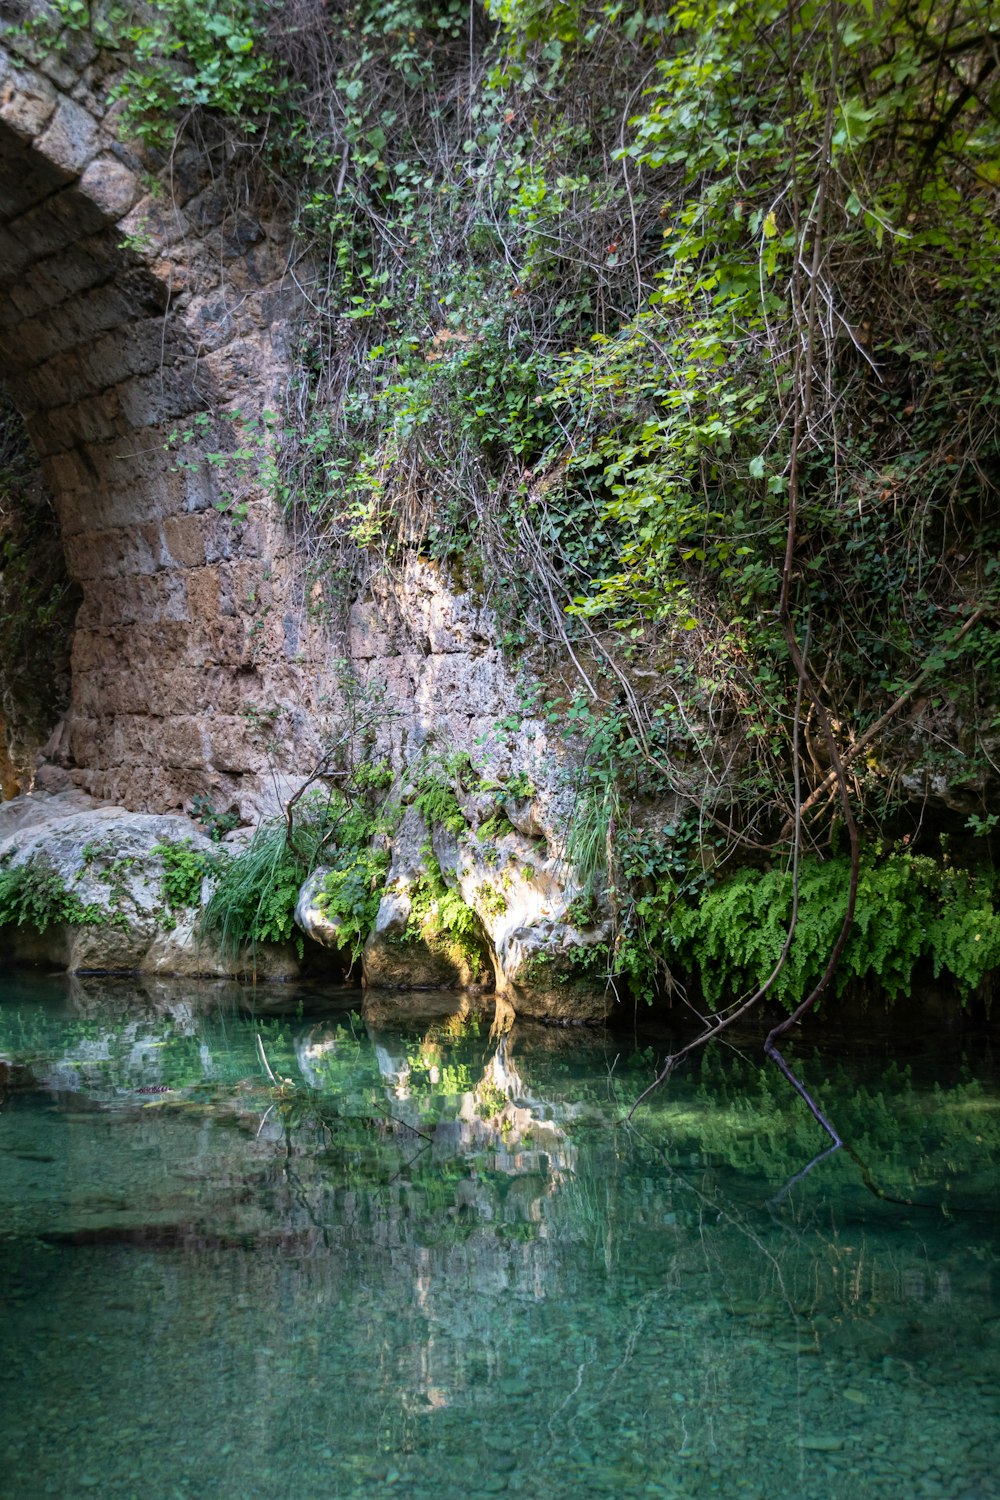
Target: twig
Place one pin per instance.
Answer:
(263, 1058)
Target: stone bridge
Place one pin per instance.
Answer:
(140, 299)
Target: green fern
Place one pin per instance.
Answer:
(912, 913)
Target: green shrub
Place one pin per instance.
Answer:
(913, 913)
(257, 890)
(255, 894)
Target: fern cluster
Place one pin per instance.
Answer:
(184, 869)
(915, 917)
(351, 893)
(33, 895)
(437, 803)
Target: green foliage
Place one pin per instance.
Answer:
(436, 800)
(253, 900)
(584, 333)
(256, 891)
(182, 55)
(242, 460)
(351, 893)
(915, 917)
(440, 917)
(184, 870)
(33, 895)
(215, 823)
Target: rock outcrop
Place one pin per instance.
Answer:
(421, 940)
(91, 883)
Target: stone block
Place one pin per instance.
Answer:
(60, 380)
(70, 139)
(27, 101)
(94, 420)
(178, 742)
(36, 340)
(133, 348)
(154, 222)
(68, 471)
(110, 186)
(184, 540)
(15, 255)
(148, 400)
(232, 747)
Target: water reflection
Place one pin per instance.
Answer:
(433, 1261)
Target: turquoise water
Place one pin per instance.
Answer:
(435, 1262)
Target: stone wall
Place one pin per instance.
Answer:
(141, 298)
(132, 299)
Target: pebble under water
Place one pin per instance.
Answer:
(432, 1261)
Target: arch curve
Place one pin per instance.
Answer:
(131, 304)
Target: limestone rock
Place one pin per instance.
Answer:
(103, 859)
(549, 947)
(397, 958)
(402, 953)
(310, 914)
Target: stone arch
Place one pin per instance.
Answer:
(124, 314)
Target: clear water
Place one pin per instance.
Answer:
(437, 1264)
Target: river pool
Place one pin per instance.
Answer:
(432, 1261)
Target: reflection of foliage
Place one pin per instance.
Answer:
(745, 1117)
(490, 1100)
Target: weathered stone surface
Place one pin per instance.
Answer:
(26, 99)
(311, 916)
(399, 954)
(70, 137)
(110, 186)
(548, 962)
(101, 355)
(104, 858)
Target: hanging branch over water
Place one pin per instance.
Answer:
(805, 292)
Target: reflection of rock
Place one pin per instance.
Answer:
(102, 891)
(97, 994)
(312, 1054)
(382, 1008)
